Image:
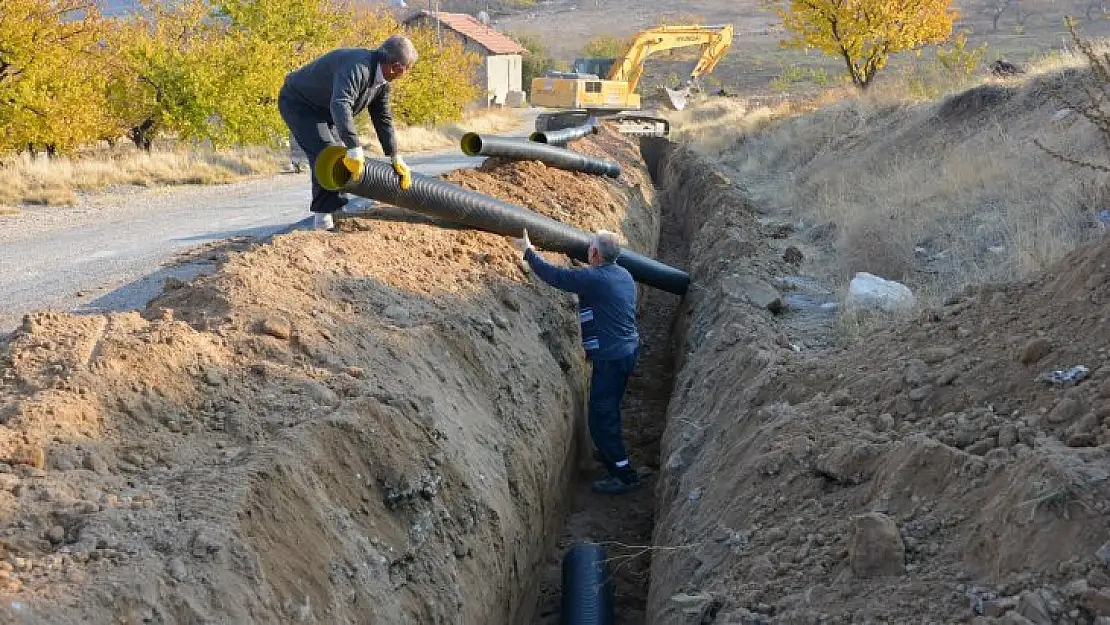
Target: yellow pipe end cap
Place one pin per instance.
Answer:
(331, 173)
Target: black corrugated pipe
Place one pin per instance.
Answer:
(587, 589)
(474, 144)
(564, 136)
(437, 198)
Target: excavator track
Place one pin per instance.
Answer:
(641, 125)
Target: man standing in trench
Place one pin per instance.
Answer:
(320, 100)
(607, 314)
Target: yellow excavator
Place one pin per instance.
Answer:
(600, 88)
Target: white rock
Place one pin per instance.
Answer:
(868, 291)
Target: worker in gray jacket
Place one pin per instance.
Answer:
(320, 100)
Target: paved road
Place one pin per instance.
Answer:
(113, 254)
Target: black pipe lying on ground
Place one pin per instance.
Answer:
(587, 589)
(474, 144)
(564, 136)
(437, 198)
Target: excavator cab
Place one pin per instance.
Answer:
(594, 66)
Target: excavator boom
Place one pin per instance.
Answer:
(714, 41)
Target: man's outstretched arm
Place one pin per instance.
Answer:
(572, 280)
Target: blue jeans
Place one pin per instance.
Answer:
(607, 384)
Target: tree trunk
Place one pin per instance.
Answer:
(143, 135)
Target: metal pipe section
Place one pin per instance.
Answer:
(587, 589)
(437, 198)
(564, 136)
(474, 144)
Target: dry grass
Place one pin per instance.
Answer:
(423, 139)
(938, 194)
(58, 181)
(718, 123)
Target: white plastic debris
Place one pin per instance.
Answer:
(872, 292)
(1065, 377)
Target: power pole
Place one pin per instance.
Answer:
(439, 31)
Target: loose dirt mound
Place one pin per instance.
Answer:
(373, 427)
(925, 476)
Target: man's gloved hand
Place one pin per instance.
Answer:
(523, 244)
(403, 172)
(354, 161)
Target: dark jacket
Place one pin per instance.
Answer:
(606, 305)
(341, 84)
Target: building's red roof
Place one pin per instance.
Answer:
(468, 26)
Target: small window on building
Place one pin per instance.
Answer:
(593, 87)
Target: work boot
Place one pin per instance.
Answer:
(614, 485)
(323, 221)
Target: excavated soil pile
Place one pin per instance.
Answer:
(374, 426)
(925, 476)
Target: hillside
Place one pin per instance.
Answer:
(756, 59)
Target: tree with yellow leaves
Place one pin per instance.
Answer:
(864, 33)
(51, 74)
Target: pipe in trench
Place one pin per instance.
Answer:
(437, 198)
(587, 588)
(474, 144)
(564, 136)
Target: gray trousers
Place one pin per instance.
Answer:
(312, 130)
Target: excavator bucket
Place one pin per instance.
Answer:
(677, 98)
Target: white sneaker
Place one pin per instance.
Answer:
(323, 221)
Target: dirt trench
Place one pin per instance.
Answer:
(372, 427)
(928, 473)
(624, 525)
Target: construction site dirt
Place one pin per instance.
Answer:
(385, 425)
(370, 426)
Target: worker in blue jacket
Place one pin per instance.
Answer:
(320, 100)
(607, 314)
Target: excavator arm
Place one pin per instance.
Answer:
(714, 41)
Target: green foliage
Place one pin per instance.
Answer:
(538, 60)
(606, 47)
(955, 68)
(794, 74)
(960, 60)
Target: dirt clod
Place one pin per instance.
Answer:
(875, 547)
(277, 328)
(1033, 351)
